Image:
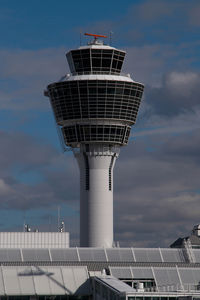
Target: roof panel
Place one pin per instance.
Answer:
(141, 255)
(116, 284)
(69, 280)
(14, 255)
(82, 280)
(196, 255)
(167, 279)
(11, 281)
(122, 273)
(186, 275)
(35, 254)
(2, 290)
(10, 255)
(196, 275)
(64, 254)
(41, 280)
(142, 273)
(92, 254)
(56, 281)
(172, 255)
(154, 255)
(147, 255)
(119, 254)
(26, 280)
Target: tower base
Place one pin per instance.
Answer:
(96, 163)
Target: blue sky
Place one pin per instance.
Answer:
(158, 173)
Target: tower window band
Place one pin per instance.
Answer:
(87, 173)
(110, 173)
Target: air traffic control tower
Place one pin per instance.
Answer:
(95, 108)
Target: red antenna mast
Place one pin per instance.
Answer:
(96, 36)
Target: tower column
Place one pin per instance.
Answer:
(96, 163)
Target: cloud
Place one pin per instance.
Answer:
(156, 9)
(25, 75)
(194, 12)
(157, 192)
(20, 156)
(179, 92)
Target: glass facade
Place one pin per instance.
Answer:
(99, 109)
(107, 61)
(50, 297)
(153, 298)
(95, 99)
(96, 133)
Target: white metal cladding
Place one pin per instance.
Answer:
(43, 280)
(34, 240)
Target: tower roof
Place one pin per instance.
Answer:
(100, 46)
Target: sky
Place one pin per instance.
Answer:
(156, 178)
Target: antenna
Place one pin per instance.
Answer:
(24, 221)
(111, 32)
(80, 38)
(58, 218)
(96, 36)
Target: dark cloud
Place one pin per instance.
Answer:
(26, 74)
(179, 92)
(158, 198)
(20, 155)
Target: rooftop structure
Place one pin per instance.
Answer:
(34, 240)
(191, 241)
(95, 108)
(99, 273)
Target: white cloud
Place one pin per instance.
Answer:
(182, 83)
(4, 188)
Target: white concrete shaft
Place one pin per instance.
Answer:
(96, 196)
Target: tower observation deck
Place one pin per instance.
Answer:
(95, 108)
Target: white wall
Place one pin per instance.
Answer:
(34, 239)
